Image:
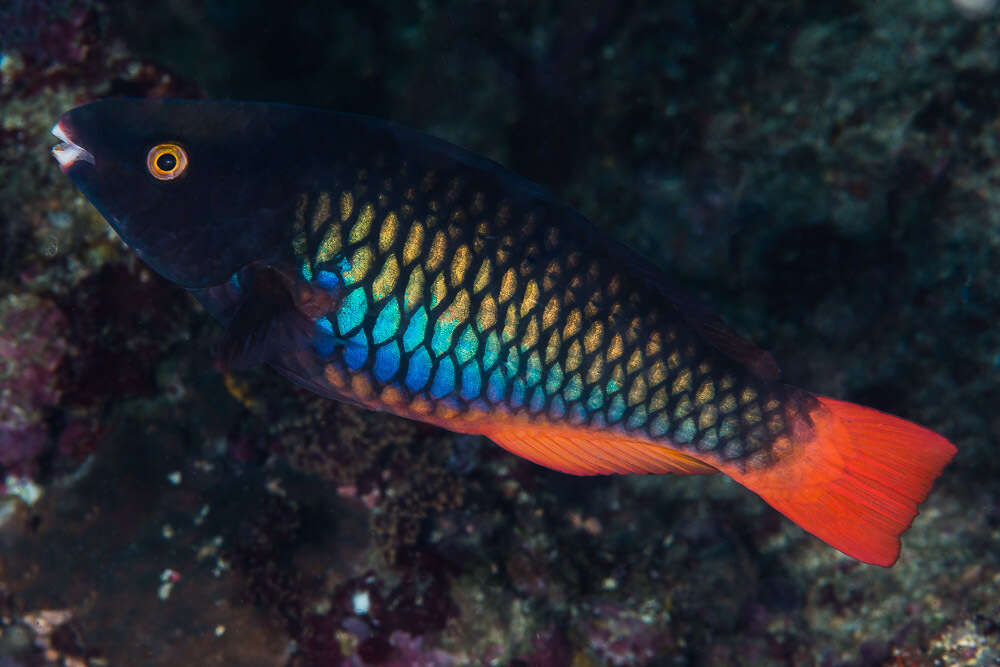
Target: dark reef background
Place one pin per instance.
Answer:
(826, 174)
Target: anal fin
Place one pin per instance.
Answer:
(582, 451)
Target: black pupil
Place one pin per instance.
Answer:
(166, 162)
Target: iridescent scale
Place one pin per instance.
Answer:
(455, 301)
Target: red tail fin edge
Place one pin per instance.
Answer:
(857, 484)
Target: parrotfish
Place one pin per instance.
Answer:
(383, 267)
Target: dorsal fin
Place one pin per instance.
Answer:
(712, 329)
(699, 317)
(728, 342)
(692, 311)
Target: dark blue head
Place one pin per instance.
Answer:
(197, 189)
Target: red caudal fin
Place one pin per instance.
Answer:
(857, 482)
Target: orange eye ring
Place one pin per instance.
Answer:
(166, 162)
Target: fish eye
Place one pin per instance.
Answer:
(166, 162)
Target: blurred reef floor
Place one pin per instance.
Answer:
(826, 174)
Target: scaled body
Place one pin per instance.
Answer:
(385, 268)
(446, 299)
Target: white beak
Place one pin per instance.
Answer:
(67, 152)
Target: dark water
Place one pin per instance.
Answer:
(826, 175)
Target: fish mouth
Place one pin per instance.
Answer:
(68, 153)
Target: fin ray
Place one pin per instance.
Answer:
(266, 319)
(858, 482)
(580, 451)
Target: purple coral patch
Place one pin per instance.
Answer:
(32, 349)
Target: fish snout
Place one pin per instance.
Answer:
(68, 152)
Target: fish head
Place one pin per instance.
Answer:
(198, 189)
